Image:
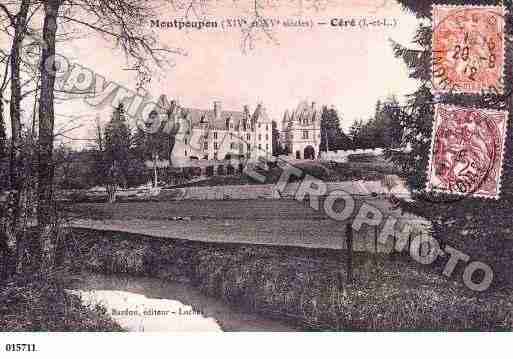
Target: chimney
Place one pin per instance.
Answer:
(246, 111)
(217, 109)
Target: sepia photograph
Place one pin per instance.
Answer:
(179, 167)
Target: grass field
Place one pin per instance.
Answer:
(281, 222)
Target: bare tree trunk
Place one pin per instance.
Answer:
(45, 209)
(3, 135)
(16, 162)
(112, 186)
(4, 180)
(111, 193)
(6, 248)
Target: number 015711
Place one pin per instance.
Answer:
(20, 347)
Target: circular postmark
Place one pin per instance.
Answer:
(468, 49)
(467, 151)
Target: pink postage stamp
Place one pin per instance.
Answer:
(467, 151)
(468, 49)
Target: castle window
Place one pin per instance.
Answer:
(185, 153)
(205, 146)
(249, 147)
(248, 137)
(305, 135)
(267, 127)
(266, 137)
(215, 135)
(259, 146)
(232, 145)
(215, 146)
(267, 146)
(260, 137)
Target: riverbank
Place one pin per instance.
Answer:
(305, 286)
(144, 304)
(41, 304)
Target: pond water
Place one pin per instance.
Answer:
(142, 304)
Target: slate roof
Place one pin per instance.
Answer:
(197, 116)
(304, 113)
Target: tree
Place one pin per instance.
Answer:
(384, 127)
(354, 133)
(117, 139)
(480, 228)
(123, 21)
(15, 17)
(3, 136)
(332, 136)
(384, 130)
(45, 210)
(157, 138)
(278, 150)
(366, 134)
(391, 123)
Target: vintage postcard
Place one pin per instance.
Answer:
(186, 166)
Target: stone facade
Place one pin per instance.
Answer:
(215, 135)
(301, 131)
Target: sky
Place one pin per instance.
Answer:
(349, 68)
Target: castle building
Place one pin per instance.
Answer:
(216, 134)
(301, 131)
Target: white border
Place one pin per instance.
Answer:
(261, 345)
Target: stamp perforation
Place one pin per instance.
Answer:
(430, 188)
(486, 91)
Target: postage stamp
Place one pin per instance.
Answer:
(468, 49)
(467, 151)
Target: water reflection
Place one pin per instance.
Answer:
(148, 304)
